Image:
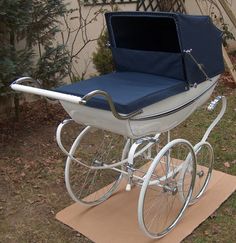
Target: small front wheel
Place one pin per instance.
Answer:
(160, 207)
(205, 159)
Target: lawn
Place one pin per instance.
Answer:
(32, 188)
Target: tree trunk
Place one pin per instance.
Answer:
(228, 11)
(16, 96)
(17, 106)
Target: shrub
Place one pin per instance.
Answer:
(102, 58)
(24, 25)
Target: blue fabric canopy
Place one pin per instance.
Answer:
(155, 42)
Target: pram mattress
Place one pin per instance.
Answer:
(130, 91)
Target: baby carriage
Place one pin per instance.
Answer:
(167, 65)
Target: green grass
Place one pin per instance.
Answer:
(221, 226)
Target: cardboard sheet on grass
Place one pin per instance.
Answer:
(116, 221)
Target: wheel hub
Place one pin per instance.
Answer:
(200, 173)
(170, 187)
(97, 163)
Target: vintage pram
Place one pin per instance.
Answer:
(167, 65)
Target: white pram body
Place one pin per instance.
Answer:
(156, 118)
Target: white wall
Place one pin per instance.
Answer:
(93, 32)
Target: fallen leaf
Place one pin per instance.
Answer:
(22, 174)
(30, 201)
(36, 187)
(228, 211)
(213, 215)
(227, 164)
(215, 230)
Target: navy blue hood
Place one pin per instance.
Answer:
(155, 43)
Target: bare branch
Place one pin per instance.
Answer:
(79, 36)
(83, 46)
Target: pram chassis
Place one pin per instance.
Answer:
(132, 149)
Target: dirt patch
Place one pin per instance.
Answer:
(228, 81)
(32, 186)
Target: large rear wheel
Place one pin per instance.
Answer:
(160, 207)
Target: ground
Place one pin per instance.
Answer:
(32, 188)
